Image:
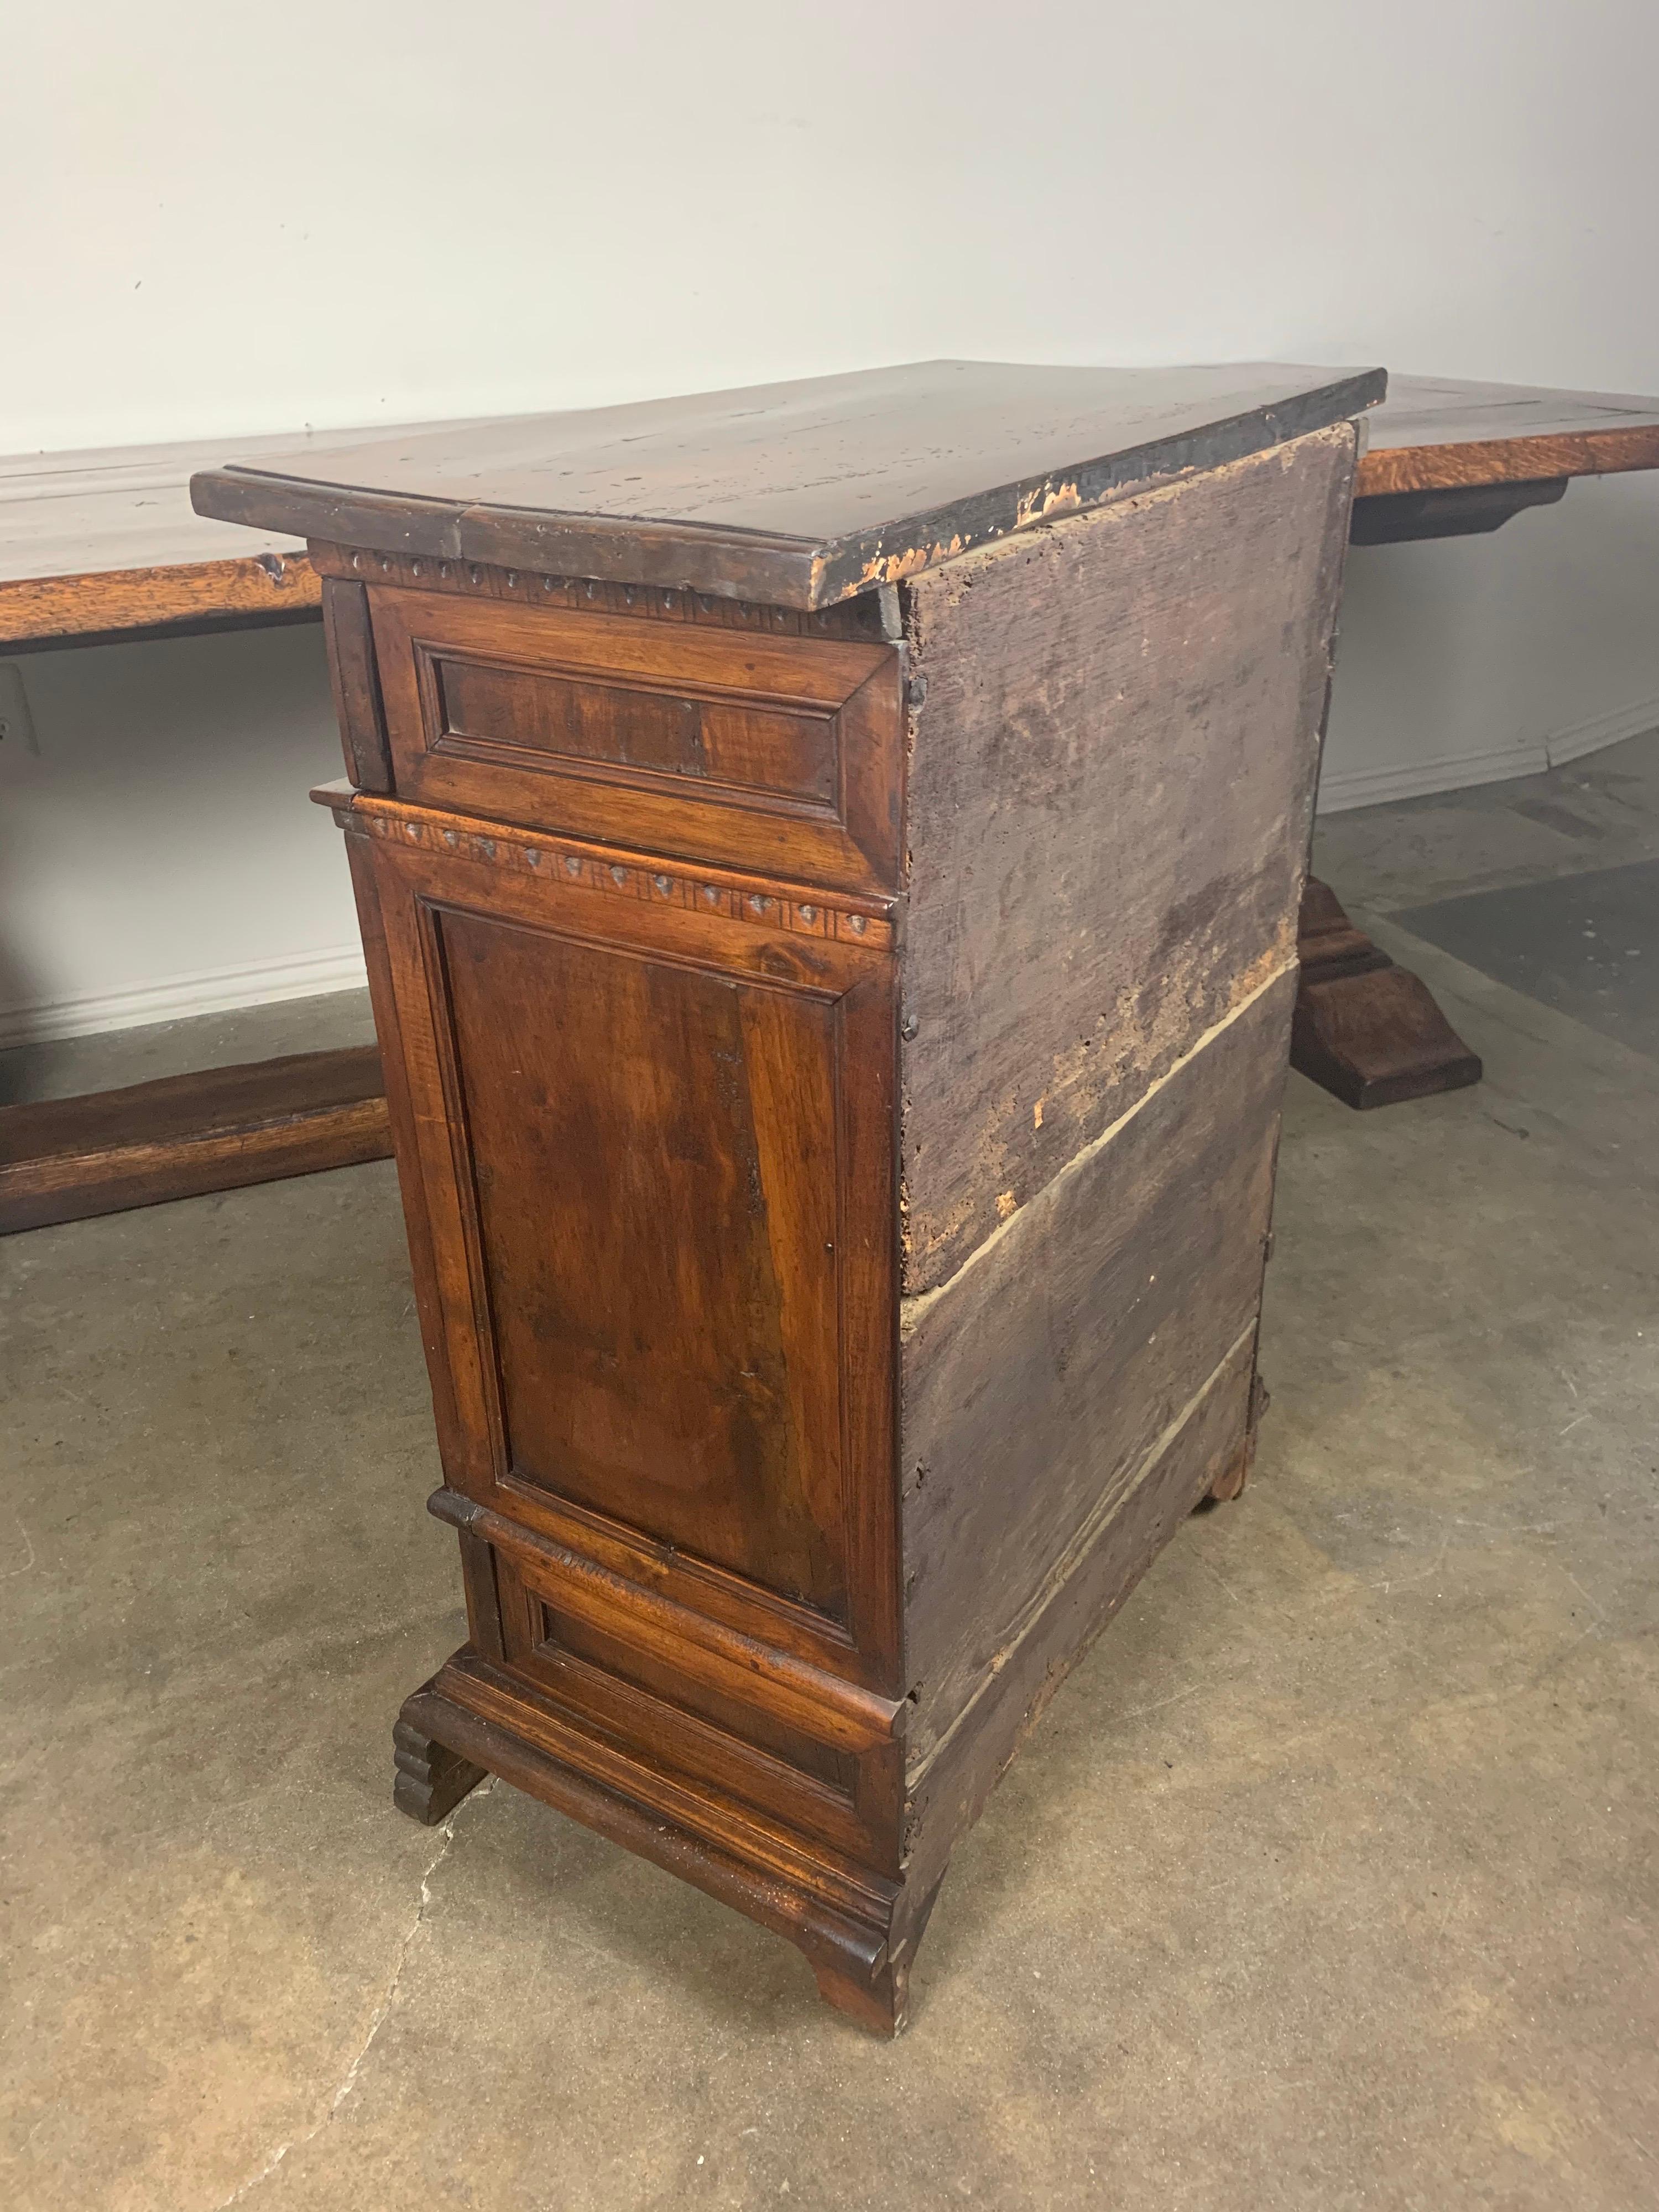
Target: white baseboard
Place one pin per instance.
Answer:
(1603, 730)
(1343, 789)
(206, 991)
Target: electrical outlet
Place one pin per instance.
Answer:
(16, 723)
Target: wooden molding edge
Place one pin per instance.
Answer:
(261, 587)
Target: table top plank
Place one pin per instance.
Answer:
(1432, 434)
(95, 542)
(799, 494)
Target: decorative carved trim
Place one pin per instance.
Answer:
(796, 908)
(860, 618)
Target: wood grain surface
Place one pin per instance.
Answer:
(799, 494)
(777, 753)
(1036, 1383)
(1433, 433)
(66, 1159)
(654, 1187)
(95, 543)
(947, 1787)
(1112, 767)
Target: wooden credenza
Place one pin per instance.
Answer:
(829, 860)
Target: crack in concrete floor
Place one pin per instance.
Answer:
(382, 2011)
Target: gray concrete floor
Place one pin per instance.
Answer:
(1328, 1881)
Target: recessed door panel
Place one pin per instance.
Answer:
(653, 1146)
(645, 1127)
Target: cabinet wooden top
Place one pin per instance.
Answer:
(799, 494)
(1435, 434)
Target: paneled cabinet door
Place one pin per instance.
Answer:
(644, 1127)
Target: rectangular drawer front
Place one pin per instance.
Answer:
(775, 753)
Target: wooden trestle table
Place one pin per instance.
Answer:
(96, 547)
(1444, 459)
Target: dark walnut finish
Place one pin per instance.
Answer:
(65, 1159)
(1445, 460)
(833, 1045)
(1368, 1032)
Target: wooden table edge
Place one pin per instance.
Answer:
(1385, 469)
(73, 609)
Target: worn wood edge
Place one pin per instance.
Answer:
(874, 558)
(784, 571)
(103, 602)
(761, 1842)
(872, 618)
(840, 1934)
(1504, 461)
(944, 1800)
(1078, 1550)
(914, 1307)
(77, 1187)
(354, 673)
(767, 902)
(828, 1706)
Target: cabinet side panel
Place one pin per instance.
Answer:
(1042, 1383)
(946, 1791)
(1115, 747)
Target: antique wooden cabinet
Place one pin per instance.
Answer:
(828, 859)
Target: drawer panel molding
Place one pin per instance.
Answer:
(776, 752)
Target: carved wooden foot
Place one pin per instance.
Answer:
(431, 1780)
(1368, 1032)
(875, 2000)
(878, 2003)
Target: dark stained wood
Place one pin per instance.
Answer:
(357, 683)
(1368, 1032)
(1111, 791)
(653, 1055)
(767, 1565)
(1435, 433)
(430, 1782)
(769, 752)
(850, 1925)
(679, 1383)
(66, 1159)
(1397, 517)
(1378, 1039)
(873, 617)
(799, 494)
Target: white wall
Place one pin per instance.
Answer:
(157, 855)
(221, 221)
